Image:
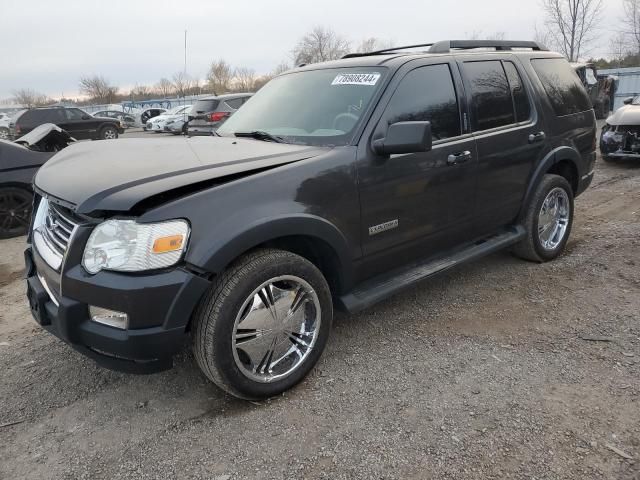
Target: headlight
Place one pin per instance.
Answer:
(127, 246)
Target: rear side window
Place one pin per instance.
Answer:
(234, 103)
(28, 118)
(563, 87)
(520, 98)
(205, 106)
(427, 94)
(491, 102)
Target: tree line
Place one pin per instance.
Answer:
(572, 27)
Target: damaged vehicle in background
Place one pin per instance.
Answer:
(19, 162)
(620, 137)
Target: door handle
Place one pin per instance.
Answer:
(537, 137)
(456, 158)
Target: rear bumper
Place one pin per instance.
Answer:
(135, 350)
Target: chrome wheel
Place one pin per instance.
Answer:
(276, 328)
(553, 218)
(109, 134)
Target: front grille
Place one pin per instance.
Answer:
(53, 229)
(58, 228)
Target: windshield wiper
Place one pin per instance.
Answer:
(260, 135)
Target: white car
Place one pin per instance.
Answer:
(4, 126)
(157, 124)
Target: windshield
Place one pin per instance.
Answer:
(316, 107)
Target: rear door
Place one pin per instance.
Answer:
(415, 205)
(509, 136)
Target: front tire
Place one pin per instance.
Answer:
(108, 133)
(15, 211)
(263, 324)
(548, 220)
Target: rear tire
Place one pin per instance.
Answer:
(547, 220)
(263, 324)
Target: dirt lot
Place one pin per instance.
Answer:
(499, 369)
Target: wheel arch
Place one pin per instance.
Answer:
(311, 237)
(561, 161)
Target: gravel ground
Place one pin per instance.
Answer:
(497, 369)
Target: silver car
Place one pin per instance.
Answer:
(210, 113)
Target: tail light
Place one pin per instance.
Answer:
(217, 116)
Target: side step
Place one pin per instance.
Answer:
(383, 286)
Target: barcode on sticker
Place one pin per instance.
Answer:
(356, 79)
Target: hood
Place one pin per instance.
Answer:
(627, 115)
(115, 175)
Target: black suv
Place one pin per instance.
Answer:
(79, 124)
(337, 184)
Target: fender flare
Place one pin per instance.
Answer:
(553, 157)
(221, 251)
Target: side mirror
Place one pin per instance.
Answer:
(404, 137)
(628, 101)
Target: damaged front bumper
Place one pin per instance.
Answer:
(620, 141)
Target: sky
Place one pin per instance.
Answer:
(47, 45)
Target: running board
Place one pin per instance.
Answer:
(378, 288)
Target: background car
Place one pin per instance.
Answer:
(158, 123)
(4, 126)
(19, 162)
(210, 113)
(620, 137)
(145, 115)
(78, 123)
(127, 120)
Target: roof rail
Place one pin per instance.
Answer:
(447, 45)
(386, 50)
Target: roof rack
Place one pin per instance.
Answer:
(386, 50)
(446, 46)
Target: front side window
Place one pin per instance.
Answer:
(427, 94)
(74, 114)
(491, 103)
(314, 107)
(563, 86)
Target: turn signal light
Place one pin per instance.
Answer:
(168, 244)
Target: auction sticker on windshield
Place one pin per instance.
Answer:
(356, 79)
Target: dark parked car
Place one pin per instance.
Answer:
(19, 162)
(208, 114)
(337, 184)
(79, 124)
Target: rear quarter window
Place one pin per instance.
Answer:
(562, 85)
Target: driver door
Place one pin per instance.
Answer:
(415, 205)
(78, 125)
